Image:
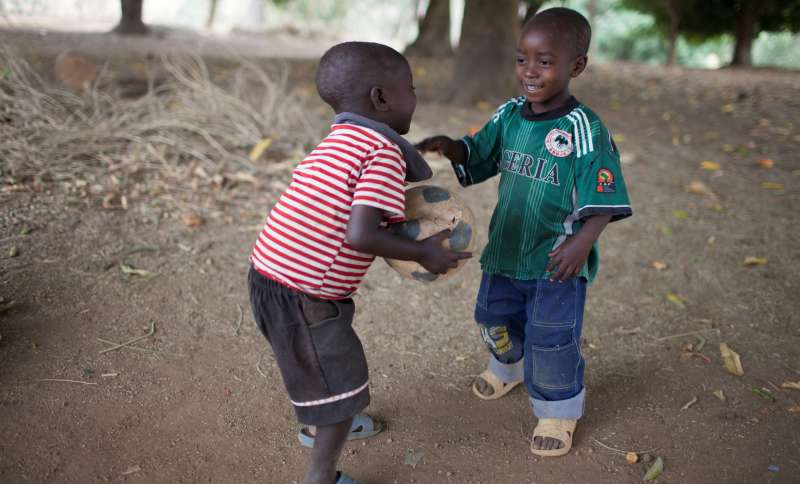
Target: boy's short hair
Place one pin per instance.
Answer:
(569, 23)
(348, 70)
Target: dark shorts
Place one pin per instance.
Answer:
(319, 355)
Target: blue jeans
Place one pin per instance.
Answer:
(533, 332)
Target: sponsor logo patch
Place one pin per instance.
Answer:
(558, 143)
(605, 181)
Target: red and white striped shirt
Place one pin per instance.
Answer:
(302, 244)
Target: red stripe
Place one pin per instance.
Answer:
(298, 268)
(280, 210)
(316, 209)
(281, 230)
(289, 250)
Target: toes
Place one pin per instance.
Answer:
(483, 387)
(547, 443)
(537, 443)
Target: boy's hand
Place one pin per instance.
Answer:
(446, 147)
(568, 258)
(436, 258)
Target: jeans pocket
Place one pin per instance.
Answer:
(484, 291)
(556, 303)
(555, 358)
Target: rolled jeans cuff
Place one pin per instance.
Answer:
(507, 372)
(570, 408)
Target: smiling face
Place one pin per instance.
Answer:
(545, 64)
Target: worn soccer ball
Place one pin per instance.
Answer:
(429, 210)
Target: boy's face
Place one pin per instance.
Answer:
(545, 64)
(400, 96)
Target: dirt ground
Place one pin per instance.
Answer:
(203, 401)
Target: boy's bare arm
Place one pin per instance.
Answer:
(446, 146)
(365, 234)
(568, 258)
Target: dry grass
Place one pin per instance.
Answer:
(186, 119)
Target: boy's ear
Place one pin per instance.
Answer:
(580, 65)
(377, 98)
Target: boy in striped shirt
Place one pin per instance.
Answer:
(322, 235)
(560, 185)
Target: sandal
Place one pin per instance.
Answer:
(342, 478)
(556, 428)
(363, 427)
(500, 387)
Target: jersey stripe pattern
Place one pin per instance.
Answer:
(556, 169)
(302, 244)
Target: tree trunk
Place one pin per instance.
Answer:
(212, 13)
(433, 39)
(672, 33)
(531, 9)
(746, 17)
(131, 21)
(485, 58)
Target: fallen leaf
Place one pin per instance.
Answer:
(717, 207)
(763, 393)
(689, 404)
(794, 409)
(731, 359)
(727, 108)
(131, 271)
(766, 163)
(794, 385)
(699, 188)
(655, 470)
(750, 261)
(709, 165)
(681, 214)
(664, 229)
(676, 300)
(13, 251)
(772, 186)
(259, 149)
(720, 394)
(192, 220)
(242, 177)
(632, 457)
(728, 148)
(412, 458)
(711, 240)
(484, 105)
(131, 470)
(660, 265)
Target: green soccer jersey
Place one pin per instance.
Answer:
(556, 169)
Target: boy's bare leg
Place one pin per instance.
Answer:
(328, 443)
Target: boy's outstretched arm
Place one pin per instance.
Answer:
(568, 258)
(365, 234)
(446, 146)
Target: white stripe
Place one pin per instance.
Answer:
(576, 136)
(571, 218)
(588, 128)
(582, 130)
(604, 206)
(334, 398)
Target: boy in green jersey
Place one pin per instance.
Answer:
(560, 185)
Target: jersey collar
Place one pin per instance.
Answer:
(526, 112)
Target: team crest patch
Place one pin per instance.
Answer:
(605, 181)
(558, 143)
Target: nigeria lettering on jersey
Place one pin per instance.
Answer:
(523, 164)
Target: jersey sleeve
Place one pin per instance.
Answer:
(600, 185)
(381, 183)
(483, 149)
